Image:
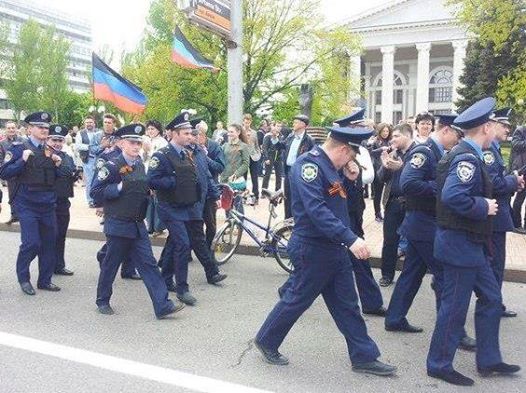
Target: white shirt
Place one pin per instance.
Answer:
(364, 159)
(294, 147)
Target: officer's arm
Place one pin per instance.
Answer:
(216, 164)
(412, 178)
(458, 188)
(105, 185)
(160, 174)
(311, 194)
(502, 185)
(13, 166)
(67, 168)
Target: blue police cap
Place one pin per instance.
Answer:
(356, 117)
(133, 131)
(477, 114)
(40, 119)
(447, 119)
(352, 136)
(58, 131)
(182, 120)
(303, 118)
(502, 116)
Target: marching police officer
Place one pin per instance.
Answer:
(464, 211)
(34, 168)
(121, 186)
(318, 249)
(182, 180)
(67, 175)
(503, 188)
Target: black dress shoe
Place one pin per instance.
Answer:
(178, 306)
(500, 368)
(508, 314)
(64, 272)
(452, 377)
(49, 287)
(134, 276)
(106, 309)
(216, 278)
(380, 312)
(272, 356)
(376, 368)
(27, 288)
(385, 282)
(187, 298)
(408, 328)
(468, 344)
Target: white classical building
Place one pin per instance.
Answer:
(413, 55)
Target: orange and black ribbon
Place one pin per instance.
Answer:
(337, 188)
(125, 170)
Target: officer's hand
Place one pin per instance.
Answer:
(351, 170)
(394, 164)
(384, 157)
(493, 207)
(520, 180)
(359, 249)
(56, 159)
(99, 211)
(26, 154)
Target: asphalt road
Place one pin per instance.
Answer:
(57, 342)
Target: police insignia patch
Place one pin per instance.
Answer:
(489, 158)
(8, 156)
(465, 171)
(418, 160)
(186, 117)
(103, 173)
(138, 129)
(58, 129)
(309, 172)
(43, 116)
(154, 163)
(100, 163)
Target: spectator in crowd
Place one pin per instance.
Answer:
(255, 155)
(11, 137)
(518, 162)
(425, 123)
(87, 145)
(220, 134)
(272, 156)
(376, 145)
(264, 129)
(237, 155)
(389, 173)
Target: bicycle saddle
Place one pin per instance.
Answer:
(273, 197)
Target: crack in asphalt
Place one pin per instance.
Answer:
(250, 345)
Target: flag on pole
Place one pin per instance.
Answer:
(109, 86)
(184, 54)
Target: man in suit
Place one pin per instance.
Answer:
(297, 143)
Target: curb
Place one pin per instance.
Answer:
(510, 275)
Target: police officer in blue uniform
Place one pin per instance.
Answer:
(318, 249)
(34, 168)
(121, 186)
(503, 188)
(109, 153)
(179, 174)
(67, 175)
(368, 289)
(464, 211)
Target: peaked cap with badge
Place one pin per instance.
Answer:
(39, 119)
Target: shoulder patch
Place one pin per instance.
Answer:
(418, 160)
(154, 163)
(489, 157)
(8, 156)
(100, 163)
(309, 172)
(465, 171)
(103, 173)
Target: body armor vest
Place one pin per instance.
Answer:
(479, 230)
(187, 190)
(132, 202)
(40, 172)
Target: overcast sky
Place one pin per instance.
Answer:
(120, 23)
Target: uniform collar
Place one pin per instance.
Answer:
(35, 142)
(475, 147)
(496, 145)
(178, 148)
(130, 161)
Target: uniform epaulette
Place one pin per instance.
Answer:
(315, 153)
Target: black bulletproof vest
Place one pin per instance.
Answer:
(421, 203)
(478, 230)
(64, 186)
(39, 172)
(187, 189)
(132, 202)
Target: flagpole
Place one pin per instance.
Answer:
(235, 64)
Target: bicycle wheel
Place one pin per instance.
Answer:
(280, 243)
(226, 241)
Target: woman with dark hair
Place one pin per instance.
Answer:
(237, 154)
(425, 123)
(376, 145)
(153, 141)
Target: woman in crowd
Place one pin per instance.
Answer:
(237, 155)
(425, 123)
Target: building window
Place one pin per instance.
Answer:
(441, 85)
(5, 104)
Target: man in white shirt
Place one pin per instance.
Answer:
(87, 145)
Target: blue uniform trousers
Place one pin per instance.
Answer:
(38, 233)
(459, 283)
(176, 256)
(326, 270)
(498, 259)
(119, 249)
(393, 217)
(63, 216)
(128, 265)
(368, 289)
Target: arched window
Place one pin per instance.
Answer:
(441, 85)
(399, 81)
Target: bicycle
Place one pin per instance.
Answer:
(228, 237)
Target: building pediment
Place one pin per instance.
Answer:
(402, 12)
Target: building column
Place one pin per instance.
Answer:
(387, 83)
(367, 95)
(355, 72)
(458, 67)
(411, 100)
(422, 78)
